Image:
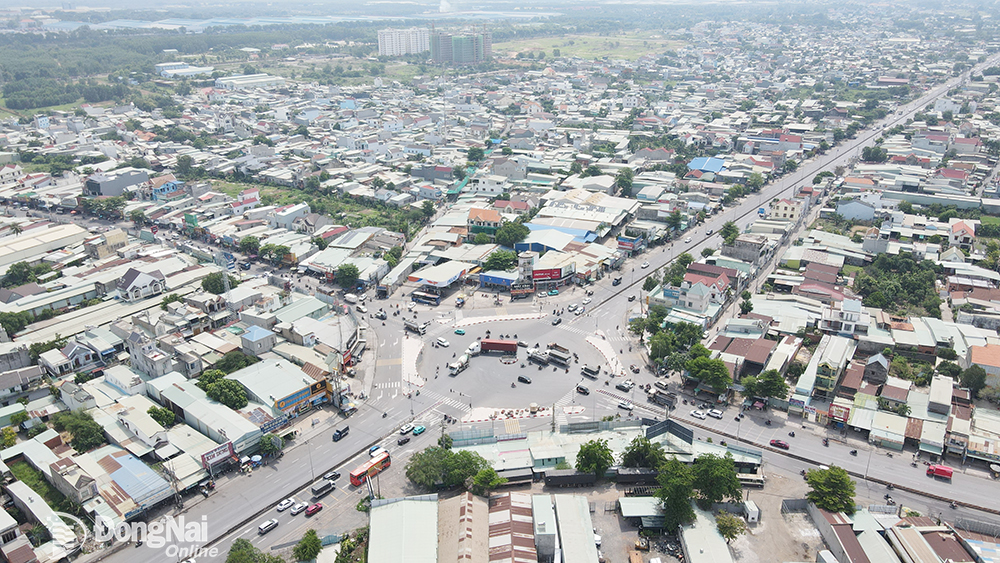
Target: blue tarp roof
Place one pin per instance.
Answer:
(707, 164)
(579, 235)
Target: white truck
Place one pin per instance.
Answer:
(474, 349)
(459, 366)
(350, 298)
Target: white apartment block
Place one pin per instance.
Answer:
(395, 42)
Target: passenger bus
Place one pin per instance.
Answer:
(557, 357)
(424, 297)
(370, 468)
(516, 476)
(751, 480)
(591, 372)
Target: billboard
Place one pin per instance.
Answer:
(625, 244)
(215, 455)
(840, 412)
(522, 288)
(550, 274)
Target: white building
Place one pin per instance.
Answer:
(396, 42)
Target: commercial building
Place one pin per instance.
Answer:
(248, 81)
(396, 42)
(404, 530)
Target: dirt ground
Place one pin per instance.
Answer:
(782, 537)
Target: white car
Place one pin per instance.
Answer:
(286, 504)
(644, 265)
(715, 413)
(625, 405)
(687, 239)
(698, 414)
(406, 429)
(298, 508)
(586, 300)
(571, 307)
(443, 342)
(411, 305)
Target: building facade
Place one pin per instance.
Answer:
(396, 42)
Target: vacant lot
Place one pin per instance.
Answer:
(629, 47)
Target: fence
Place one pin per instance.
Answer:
(472, 437)
(601, 426)
(794, 505)
(978, 526)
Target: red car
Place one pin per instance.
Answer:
(314, 509)
(779, 444)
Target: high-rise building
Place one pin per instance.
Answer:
(396, 42)
(463, 48)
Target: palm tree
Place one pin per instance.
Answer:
(16, 229)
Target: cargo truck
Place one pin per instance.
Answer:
(473, 349)
(502, 346)
(321, 488)
(557, 347)
(414, 326)
(667, 399)
(350, 298)
(459, 366)
(942, 471)
(540, 358)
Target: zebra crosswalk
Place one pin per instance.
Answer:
(440, 402)
(387, 385)
(512, 426)
(582, 332)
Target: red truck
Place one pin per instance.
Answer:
(942, 471)
(505, 346)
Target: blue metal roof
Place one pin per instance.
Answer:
(707, 164)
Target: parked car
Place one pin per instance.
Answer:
(419, 430)
(286, 504)
(403, 440)
(314, 509)
(267, 526)
(553, 292)
(698, 414)
(524, 379)
(779, 444)
(298, 508)
(715, 413)
(245, 265)
(406, 429)
(542, 294)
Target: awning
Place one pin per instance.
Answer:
(929, 448)
(758, 405)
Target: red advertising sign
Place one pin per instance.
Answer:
(551, 274)
(626, 244)
(215, 455)
(840, 412)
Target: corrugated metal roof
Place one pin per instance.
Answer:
(404, 530)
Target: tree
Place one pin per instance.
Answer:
(481, 238)
(15, 322)
(137, 216)
(228, 392)
(485, 481)
(643, 453)
(755, 181)
(502, 260)
(624, 181)
(249, 245)
(713, 373)
(279, 253)
(86, 433)
(730, 526)
(768, 384)
(168, 299)
(163, 417)
(715, 478)
(19, 273)
(234, 361)
(18, 418)
(649, 283)
(213, 283)
(320, 242)
(347, 275)
(790, 166)
(242, 551)
(271, 444)
(729, 232)
(595, 457)
(706, 252)
(511, 233)
(831, 489)
(8, 437)
(427, 208)
(506, 151)
(746, 307)
(427, 468)
(676, 482)
(475, 154)
(308, 547)
(974, 378)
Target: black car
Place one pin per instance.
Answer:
(245, 265)
(403, 440)
(332, 476)
(631, 298)
(582, 389)
(338, 434)
(616, 281)
(524, 379)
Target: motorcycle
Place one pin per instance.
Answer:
(953, 505)
(385, 414)
(854, 452)
(512, 386)
(792, 434)
(826, 442)
(889, 486)
(768, 422)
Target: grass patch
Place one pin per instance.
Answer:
(990, 220)
(630, 46)
(851, 270)
(36, 482)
